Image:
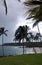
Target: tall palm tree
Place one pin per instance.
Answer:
(3, 32)
(21, 33)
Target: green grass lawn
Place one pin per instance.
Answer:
(30, 59)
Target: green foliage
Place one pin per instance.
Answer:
(30, 59)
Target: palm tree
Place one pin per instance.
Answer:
(18, 34)
(35, 12)
(3, 32)
(25, 34)
(21, 33)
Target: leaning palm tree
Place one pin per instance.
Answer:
(35, 12)
(3, 32)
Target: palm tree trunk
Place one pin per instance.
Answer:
(2, 45)
(19, 41)
(34, 50)
(23, 45)
(38, 30)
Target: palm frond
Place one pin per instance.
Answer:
(36, 14)
(32, 12)
(19, 0)
(5, 30)
(0, 34)
(5, 34)
(27, 3)
(36, 22)
(5, 6)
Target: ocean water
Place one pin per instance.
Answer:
(11, 50)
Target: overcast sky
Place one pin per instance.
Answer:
(14, 18)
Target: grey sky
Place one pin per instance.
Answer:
(10, 22)
(14, 18)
